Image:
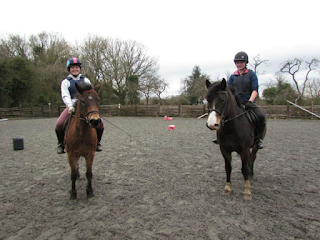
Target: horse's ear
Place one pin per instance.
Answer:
(97, 88)
(223, 84)
(208, 83)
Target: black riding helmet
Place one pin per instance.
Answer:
(241, 56)
(73, 62)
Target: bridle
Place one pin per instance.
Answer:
(90, 113)
(223, 111)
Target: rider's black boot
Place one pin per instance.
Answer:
(99, 136)
(60, 136)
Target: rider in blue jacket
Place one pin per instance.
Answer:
(246, 83)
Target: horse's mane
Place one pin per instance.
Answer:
(216, 86)
(236, 96)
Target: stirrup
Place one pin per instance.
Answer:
(215, 141)
(259, 144)
(99, 147)
(60, 149)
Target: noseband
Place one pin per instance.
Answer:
(89, 115)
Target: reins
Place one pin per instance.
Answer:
(117, 127)
(86, 118)
(229, 119)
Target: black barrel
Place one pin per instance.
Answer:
(18, 143)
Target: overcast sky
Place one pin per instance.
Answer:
(180, 33)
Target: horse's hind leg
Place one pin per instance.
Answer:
(245, 158)
(89, 178)
(251, 161)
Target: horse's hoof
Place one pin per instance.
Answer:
(247, 197)
(90, 197)
(227, 189)
(226, 192)
(90, 194)
(73, 197)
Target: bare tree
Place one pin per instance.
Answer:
(257, 62)
(49, 49)
(114, 61)
(126, 59)
(292, 67)
(12, 46)
(92, 55)
(313, 88)
(159, 87)
(147, 85)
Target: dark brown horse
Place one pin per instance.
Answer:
(81, 135)
(235, 132)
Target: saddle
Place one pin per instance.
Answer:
(253, 119)
(66, 125)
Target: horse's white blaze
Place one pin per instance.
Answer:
(213, 121)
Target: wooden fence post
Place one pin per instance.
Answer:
(21, 111)
(158, 110)
(288, 111)
(42, 110)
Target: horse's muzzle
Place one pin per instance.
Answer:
(94, 122)
(214, 127)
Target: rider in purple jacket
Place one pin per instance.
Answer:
(69, 97)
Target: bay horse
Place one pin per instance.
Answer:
(235, 131)
(81, 135)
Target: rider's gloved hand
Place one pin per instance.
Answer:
(71, 109)
(249, 105)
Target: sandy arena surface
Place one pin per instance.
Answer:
(160, 184)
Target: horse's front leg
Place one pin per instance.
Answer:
(73, 162)
(89, 162)
(227, 162)
(245, 158)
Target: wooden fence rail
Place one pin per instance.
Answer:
(193, 111)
